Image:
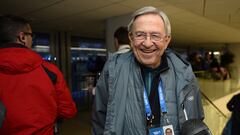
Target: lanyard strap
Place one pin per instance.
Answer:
(161, 97)
(147, 105)
(161, 101)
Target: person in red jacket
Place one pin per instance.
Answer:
(32, 100)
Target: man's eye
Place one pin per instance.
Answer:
(140, 34)
(156, 36)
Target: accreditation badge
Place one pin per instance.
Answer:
(155, 131)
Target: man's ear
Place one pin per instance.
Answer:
(130, 38)
(21, 37)
(167, 41)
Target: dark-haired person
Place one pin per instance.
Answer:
(121, 40)
(32, 90)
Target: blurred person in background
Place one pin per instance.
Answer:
(121, 40)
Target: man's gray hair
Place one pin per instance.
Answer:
(151, 10)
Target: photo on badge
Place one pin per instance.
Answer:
(168, 130)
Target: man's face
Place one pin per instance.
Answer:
(25, 36)
(28, 36)
(149, 50)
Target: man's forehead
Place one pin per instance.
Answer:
(149, 23)
(149, 18)
(147, 15)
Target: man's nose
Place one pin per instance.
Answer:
(148, 42)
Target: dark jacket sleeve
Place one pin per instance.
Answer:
(193, 102)
(200, 106)
(100, 103)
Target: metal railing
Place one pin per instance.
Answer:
(215, 119)
(213, 90)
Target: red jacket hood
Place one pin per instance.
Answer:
(17, 59)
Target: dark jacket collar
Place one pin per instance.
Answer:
(9, 45)
(161, 68)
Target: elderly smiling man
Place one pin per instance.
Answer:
(149, 88)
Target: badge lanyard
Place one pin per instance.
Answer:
(161, 101)
(161, 97)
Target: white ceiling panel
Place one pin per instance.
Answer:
(195, 6)
(25, 6)
(70, 8)
(103, 13)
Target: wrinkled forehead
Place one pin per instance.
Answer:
(148, 13)
(149, 21)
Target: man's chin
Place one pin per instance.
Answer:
(147, 63)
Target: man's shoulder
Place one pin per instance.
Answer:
(180, 65)
(120, 56)
(115, 60)
(176, 57)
